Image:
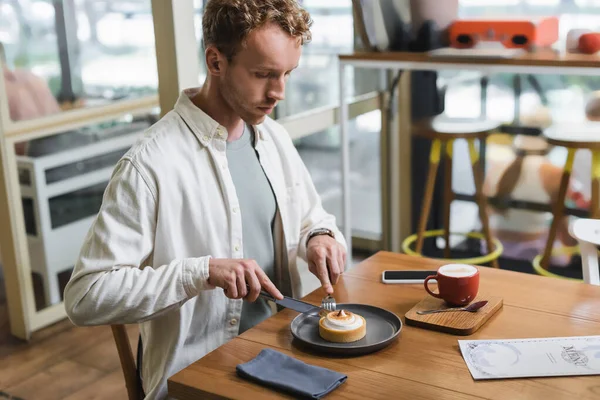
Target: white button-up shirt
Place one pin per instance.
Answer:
(171, 205)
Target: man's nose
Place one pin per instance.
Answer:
(277, 89)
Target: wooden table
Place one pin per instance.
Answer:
(421, 364)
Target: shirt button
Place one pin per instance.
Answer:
(206, 137)
(233, 321)
(237, 248)
(236, 210)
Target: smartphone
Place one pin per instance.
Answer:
(406, 276)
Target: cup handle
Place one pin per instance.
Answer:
(427, 286)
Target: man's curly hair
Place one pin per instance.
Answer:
(227, 23)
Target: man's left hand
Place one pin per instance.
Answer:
(326, 260)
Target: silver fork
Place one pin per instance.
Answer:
(328, 303)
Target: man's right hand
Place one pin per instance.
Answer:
(233, 275)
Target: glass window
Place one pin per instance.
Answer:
(572, 13)
(198, 10)
(321, 154)
(116, 49)
(75, 53)
(564, 96)
(30, 58)
(315, 82)
(62, 179)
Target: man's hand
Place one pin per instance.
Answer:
(326, 259)
(233, 275)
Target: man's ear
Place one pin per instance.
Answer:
(214, 61)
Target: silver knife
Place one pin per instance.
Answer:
(296, 305)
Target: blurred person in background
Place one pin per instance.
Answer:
(28, 96)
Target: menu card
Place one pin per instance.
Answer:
(520, 358)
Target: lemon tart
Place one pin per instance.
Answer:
(342, 327)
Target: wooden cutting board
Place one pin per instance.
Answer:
(455, 322)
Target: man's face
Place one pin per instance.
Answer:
(254, 81)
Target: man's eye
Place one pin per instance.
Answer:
(262, 75)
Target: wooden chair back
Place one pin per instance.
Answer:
(128, 364)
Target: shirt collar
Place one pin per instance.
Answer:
(202, 125)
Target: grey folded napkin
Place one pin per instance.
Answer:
(277, 370)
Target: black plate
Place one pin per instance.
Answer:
(382, 328)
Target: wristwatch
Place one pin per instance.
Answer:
(319, 231)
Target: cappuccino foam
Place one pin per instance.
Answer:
(458, 271)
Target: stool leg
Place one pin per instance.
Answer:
(448, 195)
(480, 198)
(558, 209)
(595, 203)
(434, 162)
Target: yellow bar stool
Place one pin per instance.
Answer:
(443, 131)
(573, 137)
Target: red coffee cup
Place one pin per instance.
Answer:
(458, 284)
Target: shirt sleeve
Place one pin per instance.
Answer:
(110, 283)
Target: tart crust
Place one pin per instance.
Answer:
(342, 336)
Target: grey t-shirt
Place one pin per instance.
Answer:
(258, 208)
